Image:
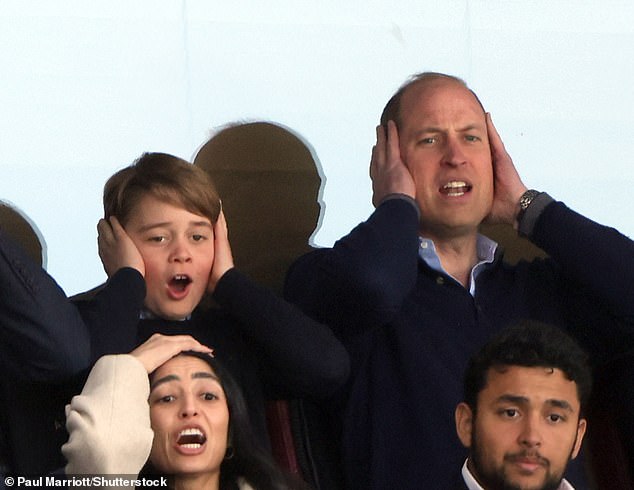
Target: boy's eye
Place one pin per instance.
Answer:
(198, 238)
(157, 239)
(209, 396)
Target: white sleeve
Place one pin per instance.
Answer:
(109, 422)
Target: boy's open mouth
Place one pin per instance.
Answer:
(180, 282)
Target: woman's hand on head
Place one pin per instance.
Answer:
(116, 248)
(159, 349)
(223, 258)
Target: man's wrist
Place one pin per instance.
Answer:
(532, 204)
(525, 201)
(402, 197)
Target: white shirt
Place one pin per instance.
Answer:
(472, 484)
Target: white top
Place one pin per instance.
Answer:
(472, 484)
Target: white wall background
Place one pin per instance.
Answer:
(87, 86)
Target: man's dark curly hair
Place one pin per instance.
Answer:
(529, 344)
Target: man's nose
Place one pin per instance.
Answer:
(530, 436)
(454, 153)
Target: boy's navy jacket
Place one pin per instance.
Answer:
(270, 347)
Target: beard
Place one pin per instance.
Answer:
(495, 478)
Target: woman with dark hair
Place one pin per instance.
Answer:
(196, 431)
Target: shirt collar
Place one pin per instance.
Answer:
(146, 314)
(485, 249)
(472, 484)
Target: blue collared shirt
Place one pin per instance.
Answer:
(485, 248)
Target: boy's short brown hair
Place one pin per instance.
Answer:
(167, 178)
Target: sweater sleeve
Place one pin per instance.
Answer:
(109, 422)
(361, 282)
(111, 313)
(299, 353)
(42, 336)
(595, 256)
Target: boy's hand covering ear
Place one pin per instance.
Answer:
(116, 248)
(223, 259)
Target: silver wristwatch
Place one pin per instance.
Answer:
(526, 200)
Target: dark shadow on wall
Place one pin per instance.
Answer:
(22, 230)
(515, 248)
(269, 181)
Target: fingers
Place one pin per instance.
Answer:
(508, 186)
(158, 349)
(497, 146)
(104, 231)
(116, 248)
(378, 151)
(389, 173)
(220, 228)
(223, 258)
(117, 229)
(110, 230)
(393, 150)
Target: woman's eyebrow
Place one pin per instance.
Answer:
(204, 374)
(165, 379)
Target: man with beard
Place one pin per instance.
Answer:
(522, 414)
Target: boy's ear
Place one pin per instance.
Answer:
(464, 423)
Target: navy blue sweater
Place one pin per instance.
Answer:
(269, 346)
(410, 329)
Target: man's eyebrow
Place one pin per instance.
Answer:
(563, 404)
(164, 379)
(519, 400)
(429, 129)
(508, 398)
(434, 129)
(471, 127)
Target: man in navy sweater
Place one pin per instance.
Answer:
(415, 290)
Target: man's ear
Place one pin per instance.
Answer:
(581, 430)
(464, 423)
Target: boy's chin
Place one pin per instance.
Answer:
(170, 313)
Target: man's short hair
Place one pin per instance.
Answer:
(166, 177)
(529, 344)
(392, 110)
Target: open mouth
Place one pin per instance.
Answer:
(180, 282)
(455, 188)
(192, 438)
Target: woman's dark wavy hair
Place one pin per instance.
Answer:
(529, 344)
(246, 459)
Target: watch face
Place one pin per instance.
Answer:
(527, 198)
